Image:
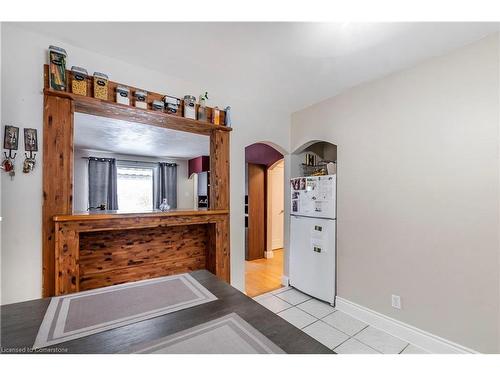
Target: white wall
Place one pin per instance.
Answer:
(418, 192)
(1, 137)
(185, 187)
(24, 54)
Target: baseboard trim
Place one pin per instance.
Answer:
(285, 281)
(277, 244)
(268, 254)
(423, 339)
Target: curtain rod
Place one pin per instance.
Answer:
(127, 161)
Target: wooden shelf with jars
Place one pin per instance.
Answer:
(110, 108)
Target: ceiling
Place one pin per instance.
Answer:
(291, 65)
(130, 138)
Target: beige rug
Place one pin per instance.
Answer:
(227, 335)
(82, 314)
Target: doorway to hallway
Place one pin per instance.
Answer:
(264, 219)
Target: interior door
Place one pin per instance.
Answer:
(256, 211)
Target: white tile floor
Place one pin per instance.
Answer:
(333, 328)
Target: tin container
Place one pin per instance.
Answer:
(172, 104)
(190, 107)
(57, 68)
(122, 95)
(141, 99)
(100, 86)
(158, 105)
(79, 84)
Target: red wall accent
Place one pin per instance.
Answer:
(260, 153)
(198, 165)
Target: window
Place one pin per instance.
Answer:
(135, 188)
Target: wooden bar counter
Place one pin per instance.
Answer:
(105, 248)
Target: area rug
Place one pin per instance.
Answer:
(85, 313)
(227, 335)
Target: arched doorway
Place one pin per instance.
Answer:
(264, 218)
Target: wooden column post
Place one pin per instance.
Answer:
(57, 178)
(219, 200)
(222, 265)
(219, 170)
(67, 251)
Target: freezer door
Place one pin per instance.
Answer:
(312, 256)
(314, 196)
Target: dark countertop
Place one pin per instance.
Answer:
(20, 323)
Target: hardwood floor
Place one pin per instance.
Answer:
(264, 275)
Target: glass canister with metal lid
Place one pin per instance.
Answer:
(122, 95)
(100, 86)
(157, 105)
(57, 68)
(79, 82)
(190, 107)
(172, 104)
(141, 99)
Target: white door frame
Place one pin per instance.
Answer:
(270, 245)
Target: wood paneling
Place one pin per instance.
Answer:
(110, 250)
(57, 178)
(105, 251)
(256, 211)
(144, 272)
(114, 257)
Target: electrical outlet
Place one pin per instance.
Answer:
(396, 301)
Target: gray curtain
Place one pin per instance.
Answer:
(167, 184)
(102, 183)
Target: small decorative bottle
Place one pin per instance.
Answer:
(202, 110)
(164, 206)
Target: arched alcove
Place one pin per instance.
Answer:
(321, 152)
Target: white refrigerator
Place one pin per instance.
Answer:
(312, 236)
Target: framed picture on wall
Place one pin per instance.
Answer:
(11, 138)
(30, 140)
